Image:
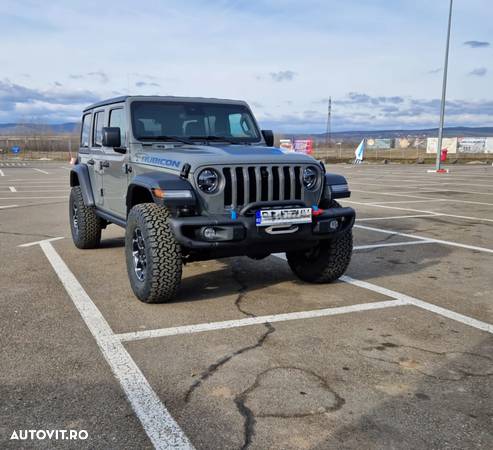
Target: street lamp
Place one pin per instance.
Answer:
(444, 92)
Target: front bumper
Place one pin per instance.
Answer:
(244, 235)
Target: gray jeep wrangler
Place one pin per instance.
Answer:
(195, 179)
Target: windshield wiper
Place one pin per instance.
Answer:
(165, 138)
(213, 138)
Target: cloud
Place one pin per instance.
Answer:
(283, 75)
(99, 75)
(55, 104)
(478, 72)
(146, 84)
(477, 44)
(256, 104)
(358, 98)
(366, 112)
(434, 71)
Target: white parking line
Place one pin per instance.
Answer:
(210, 326)
(42, 171)
(24, 198)
(421, 304)
(36, 182)
(42, 190)
(1, 173)
(8, 206)
(365, 219)
(399, 300)
(30, 244)
(426, 238)
(419, 210)
(377, 202)
(420, 197)
(157, 422)
(12, 189)
(392, 244)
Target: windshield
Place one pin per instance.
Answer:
(194, 121)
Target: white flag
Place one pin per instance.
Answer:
(360, 151)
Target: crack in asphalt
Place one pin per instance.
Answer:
(465, 373)
(249, 416)
(213, 368)
(220, 362)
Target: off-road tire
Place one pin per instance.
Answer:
(86, 229)
(326, 262)
(162, 253)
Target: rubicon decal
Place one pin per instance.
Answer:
(163, 162)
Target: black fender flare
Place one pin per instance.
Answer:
(79, 176)
(334, 179)
(164, 181)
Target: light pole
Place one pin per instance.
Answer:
(444, 91)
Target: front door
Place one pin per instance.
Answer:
(115, 170)
(95, 161)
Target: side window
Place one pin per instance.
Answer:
(85, 130)
(97, 131)
(117, 119)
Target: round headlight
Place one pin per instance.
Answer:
(310, 177)
(208, 180)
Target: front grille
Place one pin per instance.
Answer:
(246, 184)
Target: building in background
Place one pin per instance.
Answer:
(303, 146)
(449, 144)
(378, 143)
(286, 144)
(471, 144)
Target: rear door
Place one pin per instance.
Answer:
(115, 171)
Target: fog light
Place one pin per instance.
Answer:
(209, 233)
(333, 224)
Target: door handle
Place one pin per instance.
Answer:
(104, 164)
(90, 162)
(128, 168)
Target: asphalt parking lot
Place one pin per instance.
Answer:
(398, 354)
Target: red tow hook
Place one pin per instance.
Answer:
(316, 211)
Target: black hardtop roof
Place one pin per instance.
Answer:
(124, 98)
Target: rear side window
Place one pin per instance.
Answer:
(97, 138)
(86, 130)
(117, 119)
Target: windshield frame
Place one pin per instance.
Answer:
(206, 139)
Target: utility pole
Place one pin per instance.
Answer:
(329, 124)
(444, 91)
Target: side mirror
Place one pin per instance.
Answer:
(268, 137)
(111, 137)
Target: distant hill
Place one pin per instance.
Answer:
(38, 128)
(389, 134)
(73, 127)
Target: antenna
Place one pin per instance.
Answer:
(329, 124)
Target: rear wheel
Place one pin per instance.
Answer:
(326, 262)
(153, 255)
(85, 225)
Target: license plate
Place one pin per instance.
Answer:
(268, 217)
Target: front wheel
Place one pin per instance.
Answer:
(324, 263)
(153, 255)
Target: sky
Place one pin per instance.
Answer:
(381, 61)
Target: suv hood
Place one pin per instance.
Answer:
(174, 157)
